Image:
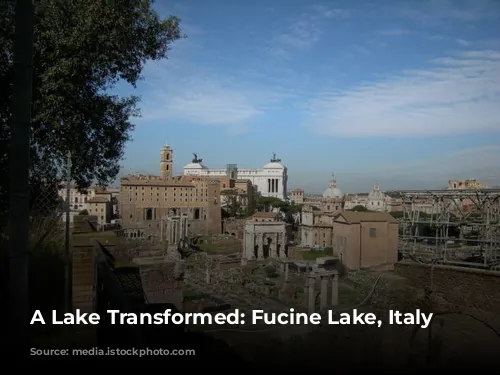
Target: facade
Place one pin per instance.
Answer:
(470, 183)
(316, 218)
(240, 190)
(270, 181)
(365, 239)
(316, 229)
(375, 200)
(85, 201)
(265, 236)
(147, 201)
(101, 207)
(297, 196)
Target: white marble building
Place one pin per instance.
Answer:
(375, 200)
(270, 181)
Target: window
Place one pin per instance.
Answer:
(373, 232)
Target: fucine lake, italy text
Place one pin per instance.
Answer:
(236, 317)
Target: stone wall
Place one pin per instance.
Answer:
(236, 226)
(466, 287)
(126, 252)
(223, 239)
(159, 284)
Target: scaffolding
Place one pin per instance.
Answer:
(455, 227)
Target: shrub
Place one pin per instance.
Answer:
(270, 271)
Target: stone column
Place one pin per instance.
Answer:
(207, 276)
(324, 293)
(335, 289)
(306, 292)
(286, 272)
(311, 293)
(282, 237)
(274, 245)
(260, 243)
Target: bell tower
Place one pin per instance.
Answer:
(166, 162)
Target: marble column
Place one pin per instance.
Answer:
(249, 245)
(324, 292)
(207, 276)
(274, 245)
(283, 244)
(311, 294)
(335, 289)
(260, 244)
(306, 292)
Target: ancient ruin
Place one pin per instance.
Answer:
(265, 236)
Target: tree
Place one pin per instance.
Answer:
(82, 49)
(233, 205)
(266, 203)
(83, 212)
(359, 208)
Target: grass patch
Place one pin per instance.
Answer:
(209, 248)
(312, 255)
(214, 249)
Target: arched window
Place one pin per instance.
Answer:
(197, 214)
(149, 214)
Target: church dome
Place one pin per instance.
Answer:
(333, 190)
(376, 193)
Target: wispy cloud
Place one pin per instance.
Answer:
(434, 12)
(395, 32)
(463, 42)
(398, 32)
(202, 98)
(461, 161)
(458, 94)
(304, 31)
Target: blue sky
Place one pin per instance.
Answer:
(406, 93)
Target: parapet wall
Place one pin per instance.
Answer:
(468, 287)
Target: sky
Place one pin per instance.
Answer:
(404, 93)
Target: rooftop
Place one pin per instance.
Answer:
(358, 217)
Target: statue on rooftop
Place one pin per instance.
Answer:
(275, 159)
(196, 159)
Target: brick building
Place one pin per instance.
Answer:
(365, 239)
(146, 201)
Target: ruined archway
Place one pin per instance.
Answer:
(197, 214)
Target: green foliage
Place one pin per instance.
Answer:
(270, 271)
(83, 213)
(266, 203)
(329, 251)
(233, 206)
(82, 49)
(359, 208)
(397, 214)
